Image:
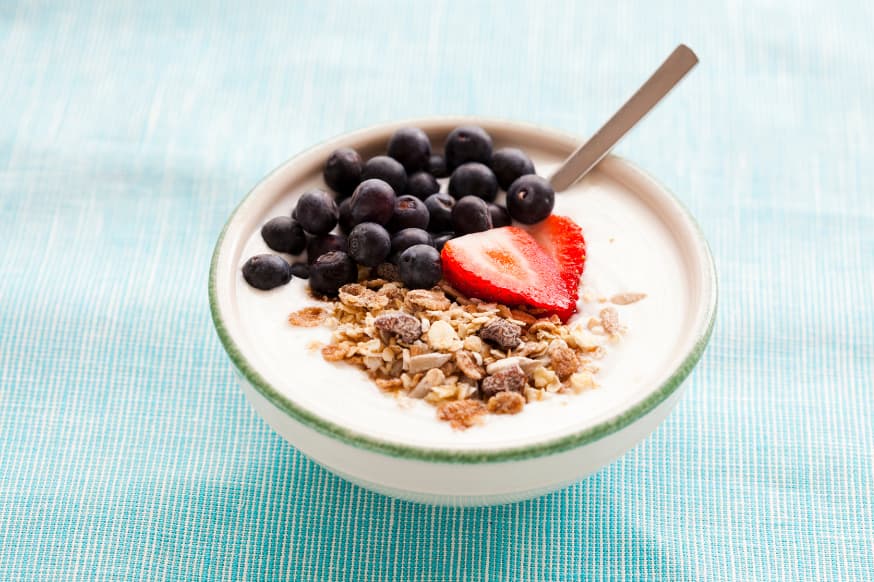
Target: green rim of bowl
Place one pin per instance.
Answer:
(549, 447)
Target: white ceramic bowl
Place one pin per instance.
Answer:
(640, 239)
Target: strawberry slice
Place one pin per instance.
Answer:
(506, 265)
(562, 239)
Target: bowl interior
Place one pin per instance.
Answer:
(639, 238)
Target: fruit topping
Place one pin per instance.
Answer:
(420, 267)
(473, 179)
(388, 170)
(317, 212)
(437, 166)
(404, 239)
(530, 199)
(506, 265)
(422, 184)
(439, 212)
(283, 234)
(319, 245)
(410, 212)
(508, 164)
(411, 147)
(471, 214)
(373, 201)
(369, 244)
(331, 271)
(467, 143)
(500, 216)
(266, 272)
(562, 239)
(343, 171)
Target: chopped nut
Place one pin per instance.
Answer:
(501, 333)
(473, 344)
(584, 339)
(627, 298)
(419, 348)
(610, 321)
(525, 364)
(389, 383)
(424, 362)
(308, 317)
(525, 318)
(406, 327)
(543, 325)
(506, 403)
(355, 295)
(433, 377)
(511, 379)
(441, 336)
(564, 361)
(544, 378)
(333, 352)
(582, 381)
(427, 299)
(468, 365)
(533, 349)
(461, 414)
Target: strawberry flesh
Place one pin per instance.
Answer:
(506, 265)
(562, 239)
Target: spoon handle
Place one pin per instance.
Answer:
(579, 163)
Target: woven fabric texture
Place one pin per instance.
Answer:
(130, 130)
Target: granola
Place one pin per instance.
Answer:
(467, 357)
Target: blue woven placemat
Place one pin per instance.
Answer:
(128, 132)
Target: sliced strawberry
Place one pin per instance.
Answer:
(562, 239)
(506, 265)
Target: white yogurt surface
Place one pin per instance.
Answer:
(630, 249)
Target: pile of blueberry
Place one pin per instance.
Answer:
(390, 210)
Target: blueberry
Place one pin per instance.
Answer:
(373, 201)
(410, 212)
(467, 143)
(300, 270)
(388, 170)
(440, 239)
(530, 199)
(284, 235)
(319, 245)
(369, 244)
(345, 220)
(411, 147)
(343, 171)
(317, 212)
(471, 214)
(509, 164)
(500, 216)
(437, 166)
(422, 184)
(331, 271)
(473, 179)
(408, 237)
(420, 267)
(266, 272)
(440, 212)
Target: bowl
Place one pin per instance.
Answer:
(640, 239)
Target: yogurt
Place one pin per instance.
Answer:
(630, 249)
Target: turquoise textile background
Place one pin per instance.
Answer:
(130, 130)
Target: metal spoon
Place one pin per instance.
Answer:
(587, 156)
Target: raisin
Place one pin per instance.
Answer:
(406, 327)
(509, 380)
(501, 333)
